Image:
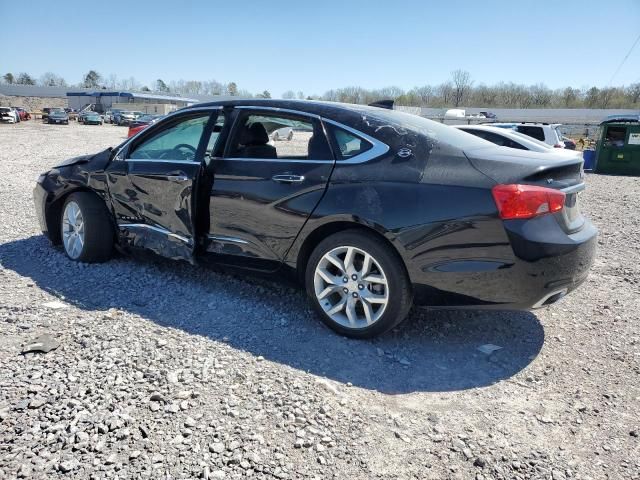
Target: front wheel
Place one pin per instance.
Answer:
(85, 227)
(358, 284)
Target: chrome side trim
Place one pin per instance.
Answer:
(155, 229)
(278, 110)
(224, 238)
(378, 148)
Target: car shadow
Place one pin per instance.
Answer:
(434, 351)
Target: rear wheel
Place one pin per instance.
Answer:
(85, 227)
(358, 284)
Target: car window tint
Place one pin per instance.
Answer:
(178, 142)
(347, 144)
(535, 132)
(213, 148)
(264, 136)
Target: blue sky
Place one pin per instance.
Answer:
(314, 46)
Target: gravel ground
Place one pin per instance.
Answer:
(165, 370)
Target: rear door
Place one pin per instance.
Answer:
(152, 182)
(264, 190)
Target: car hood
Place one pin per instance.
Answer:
(98, 161)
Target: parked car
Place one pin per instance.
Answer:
(284, 133)
(58, 116)
(22, 113)
(92, 118)
(8, 115)
(488, 115)
(47, 110)
(569, 144)
(82, 116)
(512, 139)
(408, 210)
(548, 133)
(123, 117)
(141, 123)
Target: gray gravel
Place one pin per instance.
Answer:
(158, 369)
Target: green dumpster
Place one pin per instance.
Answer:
(618, 150)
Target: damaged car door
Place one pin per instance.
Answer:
(152, 181)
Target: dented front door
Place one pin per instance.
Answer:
(151, 184)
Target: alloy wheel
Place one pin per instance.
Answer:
(73, 230)
(351, 287)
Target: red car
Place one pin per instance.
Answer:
(142, 123)
(24, 115)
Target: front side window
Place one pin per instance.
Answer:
(348, 144)
(287, 137)
(178, 142)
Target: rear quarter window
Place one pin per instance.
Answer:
(534, 132)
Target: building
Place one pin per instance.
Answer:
(141, 101)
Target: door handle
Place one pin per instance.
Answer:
(288, 178)
(177, 177)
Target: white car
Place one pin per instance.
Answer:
(510, 138)
(548, 133)
(9, 115)
(284, 133)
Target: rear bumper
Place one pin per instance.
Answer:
(543, 264)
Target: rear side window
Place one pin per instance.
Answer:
(534, 132)
(348, 145)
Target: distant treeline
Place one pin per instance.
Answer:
(458, 91)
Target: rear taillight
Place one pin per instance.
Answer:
(526, 201)
(558, 145)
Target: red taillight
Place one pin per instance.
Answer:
(526, 201)
(558, 145)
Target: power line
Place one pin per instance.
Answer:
(624, 60)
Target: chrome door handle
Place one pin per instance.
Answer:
(288, 178)
(178, 178)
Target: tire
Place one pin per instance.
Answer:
(96, 229)
(388, 303)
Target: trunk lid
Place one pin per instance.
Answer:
(508, 165)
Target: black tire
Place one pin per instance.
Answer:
(98, 228)
(400, 294)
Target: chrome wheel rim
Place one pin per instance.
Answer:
(73, 230)
(351, 287)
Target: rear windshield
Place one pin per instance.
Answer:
(437, 132)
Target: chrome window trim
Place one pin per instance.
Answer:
(156, 229)
(279, 110)
(377, 149)
(169, 115)
(188, 162)
(225, 238)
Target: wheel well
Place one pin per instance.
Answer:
(53, 213)
(324, 231)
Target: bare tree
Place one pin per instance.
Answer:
(8, 78)
(462, 84)
(50, 79)
(288, 95)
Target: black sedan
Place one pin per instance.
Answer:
(58, 116)
(371, 209)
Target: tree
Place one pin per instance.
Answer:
(49, 79)
(300, 95)
(145, 89)
(633, 93)
(605, 97)
(288, 95)
(264, 94)
(161, 86)
(569, 96)
(91, 79)
(25, 79)
(232, 89)
(461, 84)
(8, 78)
(591, 98)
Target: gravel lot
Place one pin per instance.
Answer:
(169, 371)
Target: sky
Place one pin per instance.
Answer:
(316, 46)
